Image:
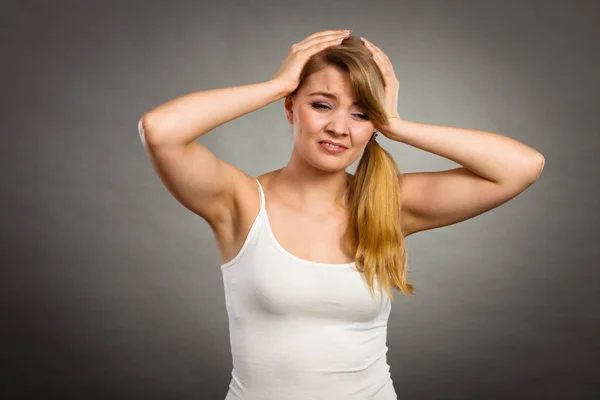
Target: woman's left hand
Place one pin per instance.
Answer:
(390, 81)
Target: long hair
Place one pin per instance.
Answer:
(373, 233)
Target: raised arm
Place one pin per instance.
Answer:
(193, 175)
(494, 168)
(200, 181)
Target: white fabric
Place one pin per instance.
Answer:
(301, 330)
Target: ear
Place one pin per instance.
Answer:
(287, 106)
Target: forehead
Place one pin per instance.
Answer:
(329, 79)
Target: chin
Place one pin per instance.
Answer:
(330, 164)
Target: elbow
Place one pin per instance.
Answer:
(142, 128)
(145, 130)
(538, 165)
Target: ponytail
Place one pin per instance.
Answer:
(374, 234)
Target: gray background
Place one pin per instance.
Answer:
(109, 288)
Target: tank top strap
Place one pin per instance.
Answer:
(262, 195)
(253, 235)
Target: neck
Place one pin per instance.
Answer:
(311, 189)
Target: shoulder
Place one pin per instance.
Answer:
(246, 197)
(237, 212)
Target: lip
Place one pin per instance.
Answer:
(334, 143)
(331, 150)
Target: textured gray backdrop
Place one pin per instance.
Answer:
(109, 288)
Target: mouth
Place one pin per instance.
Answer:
(333, 149)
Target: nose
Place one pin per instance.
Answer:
(338, 123)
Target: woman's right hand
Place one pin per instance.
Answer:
(288, 74)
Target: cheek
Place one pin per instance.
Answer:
(363, 135)
(307, 123)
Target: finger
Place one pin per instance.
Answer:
(315, 48)
(324, 38)
(388, 73)
(382, 67)
(375, 49)
(379, 52)
(381, 61)
(380, 57)
(386, 69)
(320, 35)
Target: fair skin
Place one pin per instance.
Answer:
(304, 198)
(323, 108)
(430, 200)
(494, 169)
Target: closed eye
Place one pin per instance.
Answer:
(321, 106)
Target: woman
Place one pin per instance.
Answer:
(304, 247)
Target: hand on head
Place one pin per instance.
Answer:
(389, 80)
(299, 53)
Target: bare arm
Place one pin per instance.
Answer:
(184, 119)
(193, 175)
(495, 168)
(200, 181)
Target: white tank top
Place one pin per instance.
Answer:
(302, 330)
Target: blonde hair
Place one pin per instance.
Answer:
(373, 233)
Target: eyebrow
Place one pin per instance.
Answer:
(329, 95)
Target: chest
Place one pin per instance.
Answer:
(313, 238)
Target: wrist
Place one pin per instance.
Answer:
(394, 128)
(280, 87)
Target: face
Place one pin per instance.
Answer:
(325, 109)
